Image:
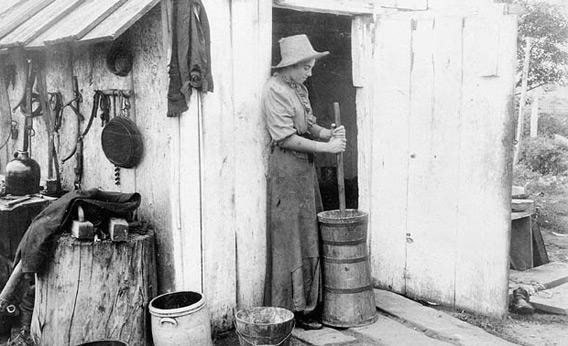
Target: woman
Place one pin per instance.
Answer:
(293, 279)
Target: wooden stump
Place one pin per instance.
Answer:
(95, 291)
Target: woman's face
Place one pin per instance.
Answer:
(301, 71)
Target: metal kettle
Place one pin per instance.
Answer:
(22, 175)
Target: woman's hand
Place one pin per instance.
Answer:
(336, 145)
(338, 132)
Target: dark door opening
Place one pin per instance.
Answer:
(331, 82)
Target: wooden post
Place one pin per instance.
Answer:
(534, 112)
(95, 291)
(519, 133)
(340, 175)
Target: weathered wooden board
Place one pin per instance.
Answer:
(89, 67)
(485, 174)
(5, 108)
(59, 74)
(362, 31)
(39, 23)
(19, 13)
(553, 300)
(78, 299)
(174, 242)
(405, 4)
(217, 173)
(362, 34)
(546, 276)
(15, 93)
(340, 7)
(119, 20)
(434, 152)
(390, 112)
(150, 177)
(189, 244)
(251, 26)
(78, 23)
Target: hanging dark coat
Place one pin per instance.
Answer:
(190, 64)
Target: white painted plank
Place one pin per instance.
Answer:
(485, 176)
(362, 31)
(217, 174)
(184, 137)
(390, 112)
(362, 35)
(190, 195)
(340, 7)
(416, 5)
(433, 170)
(177, 282)
(251, 34)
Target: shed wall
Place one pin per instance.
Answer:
(438, 178)
(435, 183)
(149, 82)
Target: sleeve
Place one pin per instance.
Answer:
(279, 114)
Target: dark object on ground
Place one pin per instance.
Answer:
(307, 322)
(37, 243)
(540, 256)
(520, 304)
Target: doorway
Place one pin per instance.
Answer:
(331, 82)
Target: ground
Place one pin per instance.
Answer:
(539, 329)
(550, 193)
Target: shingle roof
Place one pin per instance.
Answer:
(35, 24)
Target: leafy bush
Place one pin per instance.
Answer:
(544, 156)
(549, 125)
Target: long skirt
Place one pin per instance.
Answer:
(293, 272)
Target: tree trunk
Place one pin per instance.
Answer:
(534, 112)
(95, 291)
(519, 133)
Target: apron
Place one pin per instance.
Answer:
(293, 272)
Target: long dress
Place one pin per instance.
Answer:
(293, 274)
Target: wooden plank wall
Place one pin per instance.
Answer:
(439, 188)
(251, 34)
(436, 95)
(390, 113)
(87, 62)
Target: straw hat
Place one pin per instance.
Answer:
(294, 49)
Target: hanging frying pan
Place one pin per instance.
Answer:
(122, 142)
